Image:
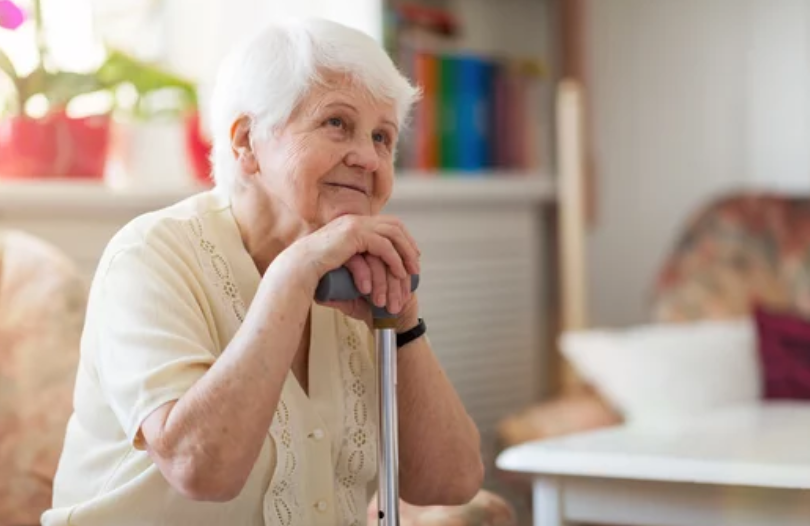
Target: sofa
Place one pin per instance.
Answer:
(738, 252)
(42, 304)
(42, 301)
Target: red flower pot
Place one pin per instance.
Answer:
(54, 146)
(198, 149)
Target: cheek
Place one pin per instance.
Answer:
(384, 185)
(311, 157)
(306, 162)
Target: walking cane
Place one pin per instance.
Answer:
(338, 285)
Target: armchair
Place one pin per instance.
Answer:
(738, 250)
(42, 304)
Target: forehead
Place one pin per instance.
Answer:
(341, 89)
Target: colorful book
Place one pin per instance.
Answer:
(471, 114)
(425, 125)
(447, 112)
(476, 114)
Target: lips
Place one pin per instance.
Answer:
(350, 186)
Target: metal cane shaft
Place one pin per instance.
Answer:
(338, 285)
(388, 443)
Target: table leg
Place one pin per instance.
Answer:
(547, 506)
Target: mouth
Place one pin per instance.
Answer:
(350, 186)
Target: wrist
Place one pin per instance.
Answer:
(296, 265)
(290, 269)
(408, 318)
(413, 334)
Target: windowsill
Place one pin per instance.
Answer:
(90, 198)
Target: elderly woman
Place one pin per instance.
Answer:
(212, 389)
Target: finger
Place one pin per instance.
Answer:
(379, 280)
(404, 247)
(402, 239)
(361, 273)
(396, 222)
(382, 247)
(368, 240)
(406, 290)
(412, 239)
(394, 304)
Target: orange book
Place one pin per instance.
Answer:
(425, 118)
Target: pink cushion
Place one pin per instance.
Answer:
(784, 351)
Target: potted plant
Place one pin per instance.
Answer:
(54, 144)
(60, 145)
(156, 128)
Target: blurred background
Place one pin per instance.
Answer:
(563, 172)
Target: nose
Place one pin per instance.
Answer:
(364, 155)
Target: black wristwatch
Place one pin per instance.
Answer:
(410, 335)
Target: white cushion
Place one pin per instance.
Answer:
(661, 373)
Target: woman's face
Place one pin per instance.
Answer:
(334, 157)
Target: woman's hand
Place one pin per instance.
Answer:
(386, 291)
(378, 251)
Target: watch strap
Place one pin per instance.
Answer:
(410, 335)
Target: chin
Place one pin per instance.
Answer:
(344, 209)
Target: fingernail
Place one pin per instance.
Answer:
(380, 300)
(394, 307)
(365, 286)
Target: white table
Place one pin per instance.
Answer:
(745, 466)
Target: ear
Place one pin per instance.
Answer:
(242, 146)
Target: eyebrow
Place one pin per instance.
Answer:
(347, 105)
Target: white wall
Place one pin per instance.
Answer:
(198, 38)
(778, 84)
(690, 98)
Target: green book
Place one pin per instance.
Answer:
(446, 112)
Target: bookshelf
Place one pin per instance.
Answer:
(485, 71)
(461, 189)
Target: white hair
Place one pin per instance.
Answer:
(266, 76)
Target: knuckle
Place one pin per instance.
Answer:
(354, 263)
(391, 220)
(349, 223)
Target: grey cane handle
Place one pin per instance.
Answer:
(338, 285)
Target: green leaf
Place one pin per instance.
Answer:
(61, 87)
(7, 67)
(32, 84)
(146, 78)
(58, 87)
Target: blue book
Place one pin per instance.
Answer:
(471, 114)
(488, 121)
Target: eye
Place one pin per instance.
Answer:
(381, 137)
(337, 122)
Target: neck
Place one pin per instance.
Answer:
(267, 227)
